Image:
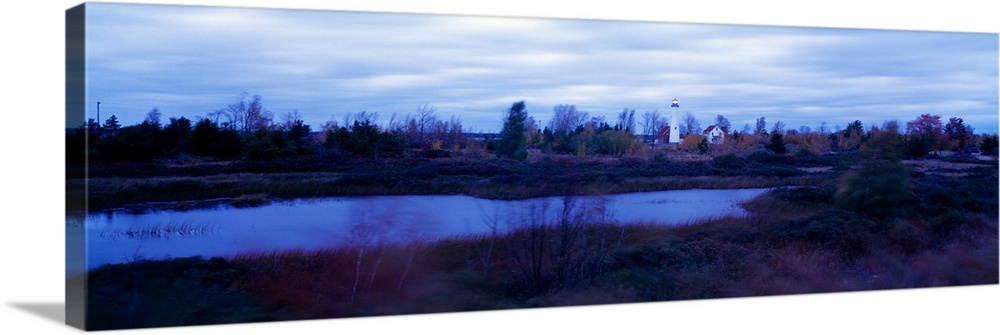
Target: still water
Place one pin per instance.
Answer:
(121, 236)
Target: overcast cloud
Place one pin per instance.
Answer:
(189, 61)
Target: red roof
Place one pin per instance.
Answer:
(709, 129)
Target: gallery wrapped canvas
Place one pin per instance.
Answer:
(231, 165)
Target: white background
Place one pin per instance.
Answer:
(31, 216)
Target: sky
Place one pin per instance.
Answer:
(192, 60)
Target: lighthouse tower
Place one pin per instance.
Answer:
(675, 130)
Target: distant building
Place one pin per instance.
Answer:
(663, 136)
(714, 134)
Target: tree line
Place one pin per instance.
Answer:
(245, 129)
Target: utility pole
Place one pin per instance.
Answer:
(98, 114)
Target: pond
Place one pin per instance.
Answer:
(120, 236)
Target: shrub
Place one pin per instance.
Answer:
(729, 162)
(812, 195)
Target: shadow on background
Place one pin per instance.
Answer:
(55, 312)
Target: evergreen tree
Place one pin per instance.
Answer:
(881, 183)
(703, 145)
(512, 143)
(777, 144)
(111, 125)
(957, 132)
(990, 144)
(208, 139)
(177, 136)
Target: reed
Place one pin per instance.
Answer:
(169, 230)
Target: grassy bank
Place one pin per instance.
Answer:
(119, 185)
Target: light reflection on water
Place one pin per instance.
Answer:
(221, 230)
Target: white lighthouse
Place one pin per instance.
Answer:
(675, 130)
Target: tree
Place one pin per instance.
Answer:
(209, 139)
(689, 125)
(823, 129)
(761, 128)
(177, 136)
(137, 143)
(723, 123)
(703, 145)
(300, 137)
(532, 132)
(779, 127)
(289, 119)
(565, 119)
(153, 117)
(881, 183)
(257, 117)
(958, 133)
(423, 121)
(990, 144)
(111, 125)
(266, 144)
(244, 115)
(852, 137)
(777, 144)
(364, 139)
(512, 143)
(626, 120)
(925, 133)
(652, 122)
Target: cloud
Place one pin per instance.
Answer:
(324, 63)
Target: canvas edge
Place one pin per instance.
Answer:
(75, 193)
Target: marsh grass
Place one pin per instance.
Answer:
(170, 230)
(256, 189)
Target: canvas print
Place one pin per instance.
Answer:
(231, 165)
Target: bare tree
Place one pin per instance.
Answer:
(153, 117)
(652, 122)
(689, 125)
(396, 123)
(565, 119)
(363, 117)
(455, 135)
(425, 118)
(626, 120)
(245, 115)
(723, 123)
(560, 247)
(532, 130)
(237, 112)
(289, 119)
(257, 118)
(761, 127)
(779, 127)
